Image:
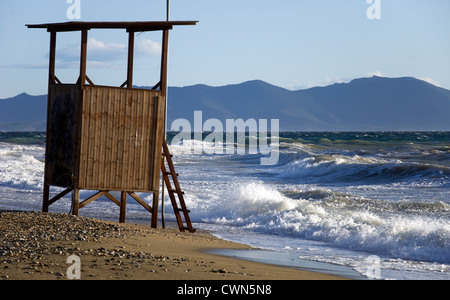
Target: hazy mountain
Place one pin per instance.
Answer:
(23, 113)
(377, 103)
(368, 104)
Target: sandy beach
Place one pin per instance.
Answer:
(36, 246)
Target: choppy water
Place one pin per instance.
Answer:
(333, 197)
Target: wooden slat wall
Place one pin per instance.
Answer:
(60, 156)
(121, 139)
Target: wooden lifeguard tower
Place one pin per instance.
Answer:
(105, 138)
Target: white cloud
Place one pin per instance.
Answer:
(97, 46)
(149, 47)
(100, 53)
(431, 81)
(376, 73)
(297, 85)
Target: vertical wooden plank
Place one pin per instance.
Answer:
(148, 135)
(153, 104)
(133, 138)
(137, 143)
(115, 138)
(91, 139)
(127, 139)
(109, 137)
(128, 164)
(78, 117)
(84, 140)
(152, 165)
(140, 168)
(96, 115)
(122, 149)
(159, 120)
(101, 101)
(105, 99)
(144, 141)
(121, 138)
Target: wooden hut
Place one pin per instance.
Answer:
(106, 138)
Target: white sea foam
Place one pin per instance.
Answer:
(329, 206)
(20, 166)
(257, 206)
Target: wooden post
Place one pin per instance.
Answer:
(123, 207)
(164, 62)
(164, 92)
(45, 204)
(51, 72)
(155, 210)
(51, 76)
(83, 57)
(75, 201)
(130, 59)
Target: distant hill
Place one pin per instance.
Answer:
(366, 104)
(23, 113)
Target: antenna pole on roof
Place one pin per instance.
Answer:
(163, 221)
(168, 10)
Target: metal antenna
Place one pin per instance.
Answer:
(168, 10)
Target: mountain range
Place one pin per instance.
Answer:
(364, 104)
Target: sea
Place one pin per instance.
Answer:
(375, 203)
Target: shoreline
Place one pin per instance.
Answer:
(36, 246)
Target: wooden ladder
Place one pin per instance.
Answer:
(176, 191)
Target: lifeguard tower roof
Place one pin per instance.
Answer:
(129, 26)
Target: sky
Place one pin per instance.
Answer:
(295, 44)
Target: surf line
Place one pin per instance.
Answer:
(235, 135)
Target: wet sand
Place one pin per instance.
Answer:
(36, 246)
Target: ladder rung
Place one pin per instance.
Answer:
(175, 191)
(181, 210)
(169, 173)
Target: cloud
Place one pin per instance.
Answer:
(106, 55)
(148, 47)
(431, 81)
(97, 51)
(297, 85)
(101, 51)
(101, 55)
(376, 73)
(426, 79)
(25, 66)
